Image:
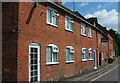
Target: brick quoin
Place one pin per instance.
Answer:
(34, 29)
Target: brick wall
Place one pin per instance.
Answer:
(35, 30)
(9, 41)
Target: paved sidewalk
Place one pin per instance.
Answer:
(93, 74)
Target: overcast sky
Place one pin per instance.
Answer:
(106, 12)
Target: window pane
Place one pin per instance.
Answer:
(67, 54)
(72, 57)
(49, 54)
(83, 56)
(71, 26)
(55, 57)
(55, 20)
(66, 23)
(84, 30)
(49, 15)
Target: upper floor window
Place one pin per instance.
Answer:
(102, 56)
(52, 16)
(69, 54)
(99, 39)
(90, 54)
(84, 54)
(89, 32)
(83, 29)
(69, 23)
(52, 54)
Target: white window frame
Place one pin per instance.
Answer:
(57, 15)
(90, 32)
(53, 50)
(83, 27)
(90, 49)
(70, 21)
(102, 56)
(71, 52)
(85, 54)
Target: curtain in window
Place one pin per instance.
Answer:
(81, 30)
(84, 31)
(71, 26)
(55, 19)
(55, 57)
(90, 54)
(49, 15)
(49, 54)
(72, 57)
(67, 54)
(66, 23)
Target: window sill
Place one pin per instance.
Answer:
(70, 61)
(52, 63)
(84, 59)
(89, 36)
(52, 24)
(83, 35)
(69, 30)
(90, 59)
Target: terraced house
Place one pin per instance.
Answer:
(45, 41)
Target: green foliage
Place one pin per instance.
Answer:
(116, 41)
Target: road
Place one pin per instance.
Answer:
(111, 75)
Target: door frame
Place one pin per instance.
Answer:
(100, 58)
(35, 45)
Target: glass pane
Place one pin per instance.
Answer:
(55, 57)
(72, 57)
(67, 54)
(33, 50)
(81, 30)
(71, 26)
(34, 67)
(66, 23)
(35, 78)
(35, 56)
(49, 15)
(49, 54)
(82, 55)
(55, 20)
(32, 79)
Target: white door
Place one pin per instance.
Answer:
(34, 62)
(95, 62)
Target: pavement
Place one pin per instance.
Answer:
(96, 73)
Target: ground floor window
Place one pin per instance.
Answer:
(69, 54)
(90, 54)
(52, 53)
(84, 54)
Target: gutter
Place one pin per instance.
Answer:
(76, 16)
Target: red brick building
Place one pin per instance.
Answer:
(48, 42)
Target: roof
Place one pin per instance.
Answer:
(94, 20)
(77, 15)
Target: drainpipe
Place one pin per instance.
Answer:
(97, 45)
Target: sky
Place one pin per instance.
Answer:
(106, 12)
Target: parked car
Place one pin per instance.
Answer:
(110, 60)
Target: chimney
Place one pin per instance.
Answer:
(59, 2)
